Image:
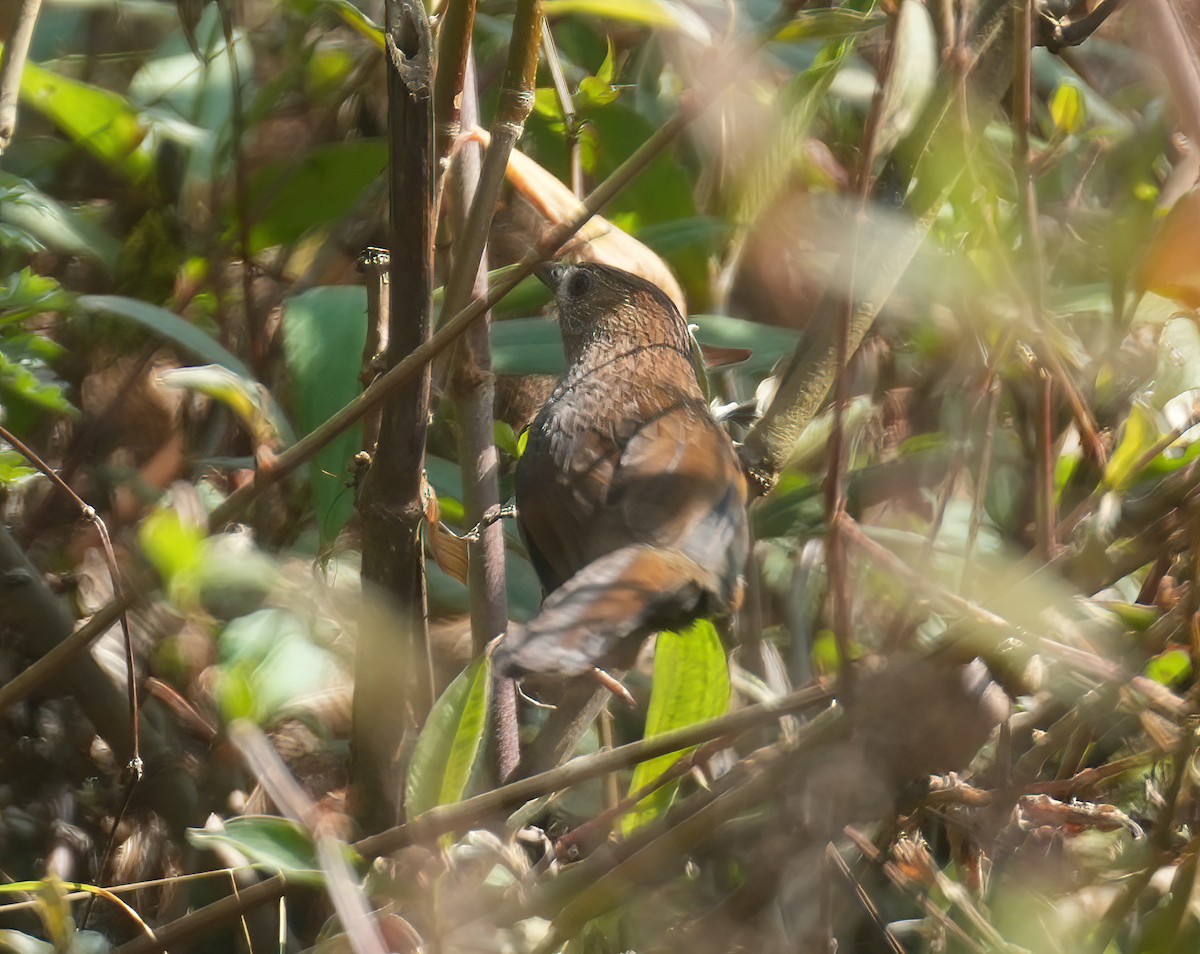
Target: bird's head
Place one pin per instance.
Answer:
(601, 304)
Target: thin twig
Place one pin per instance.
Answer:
(567, 104)
(1031, 248)
(89, 513)
(448, 818)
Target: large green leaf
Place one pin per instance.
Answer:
(320, 189)
(324, 332)
(691, 684)
(277, 844)
(102, 122)
(192, 340)
(534, 345)
(450, 742)
(527, 346)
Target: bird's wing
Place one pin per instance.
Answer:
(678, 484)
(562, 483)
(630, 592)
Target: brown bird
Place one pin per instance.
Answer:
(630, 498)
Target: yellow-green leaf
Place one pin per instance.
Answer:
(691, 685)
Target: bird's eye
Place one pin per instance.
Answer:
(578, 283)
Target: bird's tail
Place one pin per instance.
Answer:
(628, 593)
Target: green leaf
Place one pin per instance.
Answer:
(324, 332)
(269, 842)
(174, 546)
(1068, 111)
(190, 339)
(248, 401)
(1178, 360)
(598, 90)
(13, 468)
(505, 438)
(831, 24)
(646, 13)
(691, 684)
(1138, 436)
(102, 122)
(269, 664)
(26, 293)
(1134, 616)
(450, 741)
(767, 345)
(320, 189)
(1170, 668)
(527, 346)
(53, 224)
(358, 21)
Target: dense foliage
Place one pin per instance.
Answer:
(957, 709)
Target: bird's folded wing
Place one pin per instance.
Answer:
(629, 592)
(678, 484)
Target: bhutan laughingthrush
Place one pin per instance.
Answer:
(630, 498)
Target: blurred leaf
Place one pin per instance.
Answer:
(292, 197)
(832, 24)
(324, 333)
(1170, 668)
(174, 545)
(646, 13)
(1135, 616)
(13, 467)
(1138, 436)
(1068, 110)
(269, 664)
(826, 660)
(191, 101)
(450, 741)
(276, 844)
(527, 346)
(506, 439)
(26, 294)
(358, 21)
(26, 380)
(53, 224)
(691, 684)
(1171, 266)
(248, 400)
(596, 91)
(190, 339)
(910, 82)
(14, 942)
(102, 122)
(1178, 361)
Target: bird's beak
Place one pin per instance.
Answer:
(550, 274)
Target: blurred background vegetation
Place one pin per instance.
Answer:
(942, 260)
